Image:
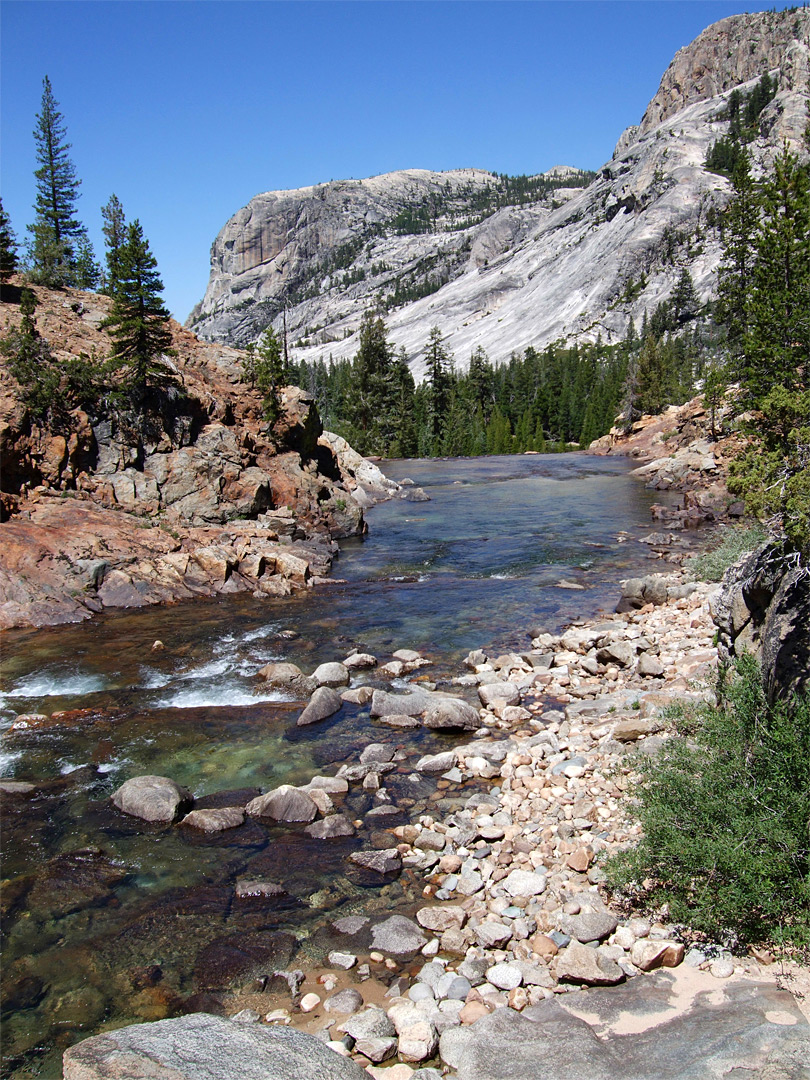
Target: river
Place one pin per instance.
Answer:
(107, 920)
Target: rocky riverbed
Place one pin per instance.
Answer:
(515, 963)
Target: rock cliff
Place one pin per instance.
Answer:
(209, 499)
(571, 263)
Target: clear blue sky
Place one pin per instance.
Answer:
(187, 108)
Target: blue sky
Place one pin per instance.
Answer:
(187, 108)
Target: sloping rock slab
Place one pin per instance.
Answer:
(204, 1047)
(746, 1028)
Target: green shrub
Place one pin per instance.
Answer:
(725, 812)
(711, 565)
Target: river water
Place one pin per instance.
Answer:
(107, 920)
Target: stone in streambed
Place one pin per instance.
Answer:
(384, 861)
(331, 674)
(397, 936)
(414, 704)
(580, 964)
(324, 702)
(152, 798)
(214, 821)
(504, 693)
(452, 714)
(589, 926)
(288, 677)
(285, 803)
(329, 827)
(246, 889)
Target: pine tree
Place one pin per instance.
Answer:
(777, 345)
(773, 359)
(115, 236)
(56, 231)
(685, 302)
(86, 271)
(269, 372)
(8, 246)
(30, 361)
(376, 387)
(139, 322)
(738, 227)
(438, 364)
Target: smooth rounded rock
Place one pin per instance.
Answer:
(203, 1047)
(152, 798)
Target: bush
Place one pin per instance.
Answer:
(711, 565)
(725, 815)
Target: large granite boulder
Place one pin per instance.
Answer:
(647, 1029)
(284, 803)
(763, 607)
(204, 1047)
(452, 714)
(153, 798)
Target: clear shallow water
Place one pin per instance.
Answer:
(478, 565)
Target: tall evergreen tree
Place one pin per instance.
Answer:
(8, 246)
(439, 376)
(376, 387)
(268, 370)
(115, 237)
(139, 322)
(777, 345)
(56, 231)
(30, 361)
(738, 227)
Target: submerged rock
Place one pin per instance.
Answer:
(284, 803)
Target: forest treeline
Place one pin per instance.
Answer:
(541, 400)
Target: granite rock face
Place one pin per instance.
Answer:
(525, 275)
(742, 1023)
(203, 1047)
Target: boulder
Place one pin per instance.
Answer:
(646, 1030)
(288, 677)
(414, 704)
(397, 936)
(505, 693)
(578, 963)
(453, 714)
(589, 925)
(384, 861)
(441, 918)
(152, 798)
(214, 821)
(324, 702)
(204, 1047)
(285, 803)
(330, 827)
(332, 674)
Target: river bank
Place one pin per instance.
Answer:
(514, 932)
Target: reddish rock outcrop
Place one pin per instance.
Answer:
(204, 498)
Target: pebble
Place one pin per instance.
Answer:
(722, 969)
